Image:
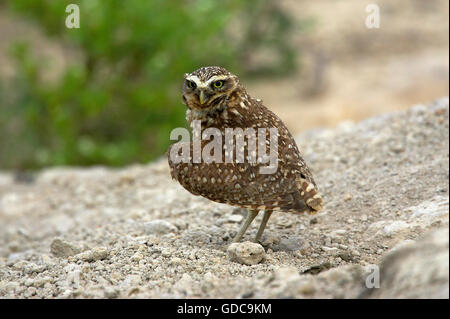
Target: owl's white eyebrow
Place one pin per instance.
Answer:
(202, 84)
(217, 78)
(194, 79)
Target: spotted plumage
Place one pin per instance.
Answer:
(216, 98)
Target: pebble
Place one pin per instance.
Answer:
(10, 286)
(355, 253)
(246, 253)
(339, 232)
(98, 253)
(292, 243)
(33, 268)
(30, 292)
(29, 282)
(175, 261)
(111, 293)
(132, 280)
(62, 248)
(329, 249)
(137, 257)
(235, 218)
(158, 227)
(346, 256)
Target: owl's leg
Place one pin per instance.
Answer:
(267, 214)
(250, 217)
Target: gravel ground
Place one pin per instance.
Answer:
(135, 233)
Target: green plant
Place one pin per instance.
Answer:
(119, 101)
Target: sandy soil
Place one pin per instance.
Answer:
(135, 233)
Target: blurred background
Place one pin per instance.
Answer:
(108, 93)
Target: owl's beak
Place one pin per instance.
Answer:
(203, 97)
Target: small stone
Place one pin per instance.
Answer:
(235, 218)
(314, 270)
(111, 293)
(166, 253)
(397, 148)
(175, 261)
(137, 257)
(41, 282)
(158, 227)
(62, 248)
(293, 243)
(30, 292)
(345, 256)
(94, 254)
(329, 249)
(20, 265)
(29, 282)
(355, 253)
(99, 253)
(10, 286)
(246, 253)
(132, 280)
(347, 197)
(33, 268)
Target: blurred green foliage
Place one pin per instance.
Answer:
(118, 103)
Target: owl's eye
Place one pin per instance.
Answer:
(191, 84)
(218, 84)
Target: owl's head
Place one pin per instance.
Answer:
(207, 87)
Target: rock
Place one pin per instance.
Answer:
(291, 243)
(111, 293)
(137, 257)
(94, 254)
(315, 269)
(9, 286)
(329, 249)
(132, 280)
(345, 256)
(246, 253)
(62, 248)
(33, 268)
(417, 270)
(235, 218)
(29, 282)
(158, 227)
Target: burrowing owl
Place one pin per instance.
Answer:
(215, 98)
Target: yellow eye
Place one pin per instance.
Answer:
(191, 84)
(218, 84)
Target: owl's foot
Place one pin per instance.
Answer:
(250, 217)
(267, 214)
